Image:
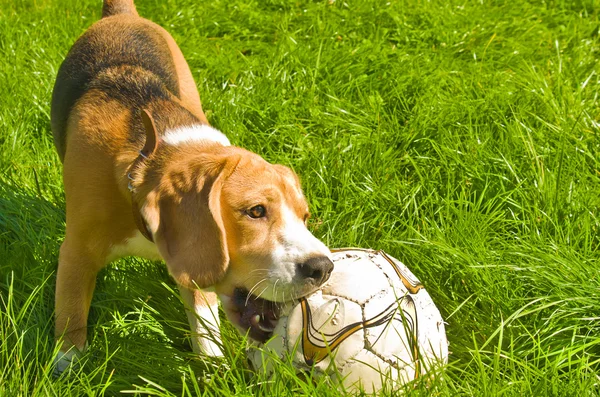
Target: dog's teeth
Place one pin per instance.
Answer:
(265, 328)
(267, 325)
(255, 320)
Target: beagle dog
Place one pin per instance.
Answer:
(146, 175)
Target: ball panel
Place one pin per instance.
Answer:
(261, 356)
(323, 328)
(433, 343)
(399, 276)
(369, 372)
(396, 339)
(354, 277)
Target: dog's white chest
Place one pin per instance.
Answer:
(137, 245)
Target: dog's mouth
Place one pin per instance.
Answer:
(256, 316)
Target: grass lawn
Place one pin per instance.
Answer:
(461, 137)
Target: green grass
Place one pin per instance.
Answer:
(461, 137)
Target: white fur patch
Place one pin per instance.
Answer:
(207, 334)
(64, 360)
(204, 324)
(195, 133)
(297, 244)
(138, 245)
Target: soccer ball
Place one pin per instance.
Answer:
(371, 326)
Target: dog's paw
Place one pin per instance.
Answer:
(65, 361)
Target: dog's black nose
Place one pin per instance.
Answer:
(316, 269)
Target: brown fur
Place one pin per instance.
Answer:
(86, 64)
(184, 201)
(114, 7)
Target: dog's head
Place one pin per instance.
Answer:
(228, 219)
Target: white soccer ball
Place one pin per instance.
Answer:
(372, 325)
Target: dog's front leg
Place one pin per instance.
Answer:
(202, 310)
(75, 282)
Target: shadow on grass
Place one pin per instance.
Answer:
(137, 323)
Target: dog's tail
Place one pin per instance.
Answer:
(115, 7)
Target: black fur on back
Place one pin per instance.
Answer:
(112, 44)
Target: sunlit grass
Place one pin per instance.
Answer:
(462, 138)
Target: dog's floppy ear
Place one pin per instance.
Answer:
(151, 133)
(187, 225)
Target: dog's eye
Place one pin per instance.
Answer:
(258, 211)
